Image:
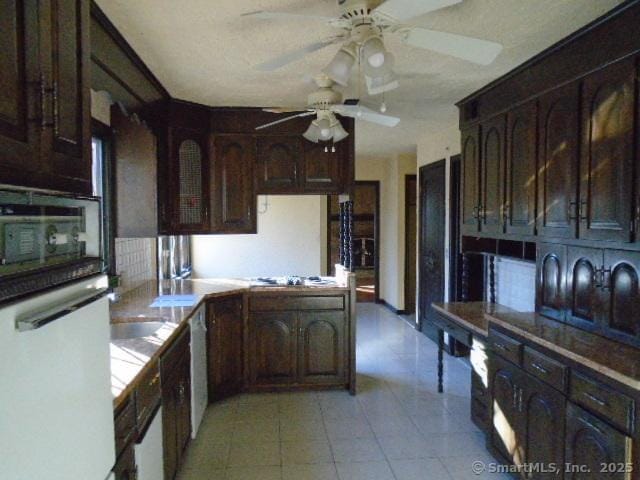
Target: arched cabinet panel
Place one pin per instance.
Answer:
(550, 283)
(273, 348)
(277, 164)
(621, 293)
(470, 180)
(321, 341)
(583, 282)
(492, 197)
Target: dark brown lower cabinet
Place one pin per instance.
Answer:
(175, 371)
(224, 346)
(595, 446)
(321, 345)
(272, 349)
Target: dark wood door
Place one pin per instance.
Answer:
(469, 215)
(273, 345)
(411, 237)
(21, 92)
(551, 274)
(620, 293)
(233, 201)
(321, 170)
(558, 162)
(65, 50)
(224, 347)
(592, 443)
(493, 176)
(187, 189)
(432, 244)
(607, 157)
(520, 204)
(583, 265)
(543, 409)
(507, 421)
(277, 163)
(321, 347)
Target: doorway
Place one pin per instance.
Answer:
(366, 234)
(410, 218)
(431, 243)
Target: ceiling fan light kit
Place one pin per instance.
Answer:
(339, 69)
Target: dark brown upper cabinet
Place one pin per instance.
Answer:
(583, 267)
(232, 199)
(492, 181)
(520, 202)
(187, 186)
(551, 280)
(321, 171)
(558, 162)
(277, 164)
(606, 167)
(470, 180)
(45, 98)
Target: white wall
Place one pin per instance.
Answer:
(515, 284)
(291, 240)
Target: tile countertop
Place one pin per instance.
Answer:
(129, 357)
(613, 359)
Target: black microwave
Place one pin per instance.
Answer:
(46, 240)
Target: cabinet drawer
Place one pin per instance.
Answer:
(507, 347)
(125, 426)
(545, 368)
(147, 396)
(616, 407)
(453, 329)
(266, 304)
(479, 392)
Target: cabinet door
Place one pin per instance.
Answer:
(321, 169)
(492, 183)
(321, 347)
(521, 171)
(169, 426)
(20, 93)
(125, 468)
(65, 48)
(593, 443)
(277, 164)
(583, 285)
(606, 167)
(543, 409)
(225, 352)
(551, 280)
(620, 293)
(558, 162)
(273, 348)
(470, 190)
(233, 201)
(186, 186)
(506, 431)
(183, 414)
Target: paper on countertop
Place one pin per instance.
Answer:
(174, 301)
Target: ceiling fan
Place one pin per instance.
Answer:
(363, 25)
(325, 103)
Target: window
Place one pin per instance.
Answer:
(102, 168)
(174, 257)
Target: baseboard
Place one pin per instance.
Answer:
(395, 310)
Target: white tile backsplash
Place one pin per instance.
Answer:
(135, 261)
(515, 284)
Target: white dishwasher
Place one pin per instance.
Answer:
(148, 451)
(199, 392)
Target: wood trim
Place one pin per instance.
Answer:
(407, 179)
(103, 20)
(455, 189)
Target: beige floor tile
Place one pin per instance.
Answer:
(248, 412)
(309, 472)
(307, 452)
(409, 446)
(256, 431)
(424, 469)
(356, 450)
(338, 429)
(302, 429)
(253, 473)
(392, 426)
(254, 454)
(365, 471)
(198, 474)
(206, 455)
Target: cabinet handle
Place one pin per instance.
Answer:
(540, 368)
(571, 210)
(514, 401)
(54, 96)
(501, 347)
(155, 379)
(606, 279)
(595, 399)
(582, 209)
(520, 404)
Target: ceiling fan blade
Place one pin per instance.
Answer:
(294, 55)
(286, 119)
(284, 109)
(264, 15)
(364, 113)
(474, 50)
(403, 10)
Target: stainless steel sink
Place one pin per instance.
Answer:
(124, 331)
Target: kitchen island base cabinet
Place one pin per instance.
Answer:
(298, 342)
(225, 347)
(175, 371)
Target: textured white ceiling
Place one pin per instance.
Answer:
(204, 51)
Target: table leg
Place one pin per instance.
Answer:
(440, 358)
